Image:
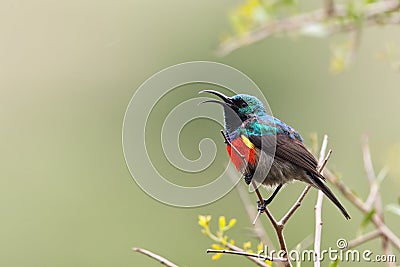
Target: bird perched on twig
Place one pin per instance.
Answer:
(274, 151)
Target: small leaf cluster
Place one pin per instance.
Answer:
(219, 236)
(221, 239)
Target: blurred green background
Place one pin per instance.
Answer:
(67, 72)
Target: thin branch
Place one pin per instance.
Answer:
(374, 197)
(279, 232)
(295, 206)
(258, 227)
(235, 248)
(363, 239)
(318, 229)
(385, 240)
(247, 254)
(294, 23)
(345, 191)
(370, 173)
(318, 206)
(281, 224)
(255, 260)
(369, 168)
(386, 231)
(322, 159)
(158, 258)
(329, 8)
(376, 220)
(321, 164)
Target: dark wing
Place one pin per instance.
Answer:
(287, 149)
(294, 151)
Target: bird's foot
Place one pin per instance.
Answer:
(262, 206)
(247, 178)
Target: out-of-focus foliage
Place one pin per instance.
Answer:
(391, 55)
(255, 13)
(255, 20)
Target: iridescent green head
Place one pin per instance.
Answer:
(238, 108)
(248, 106)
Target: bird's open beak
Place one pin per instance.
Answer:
(226, 100)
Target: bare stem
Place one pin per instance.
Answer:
(363, 239)
(158, 258)
(295, 206)
(329, 8)
(318, 206)
(369, 169)
(321, 165)
(318, 229)
(371, 13)
(237, 249)
(374, 197)
(258, 227)
(259, 262)
(376, 220)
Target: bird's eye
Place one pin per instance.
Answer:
(243, 105)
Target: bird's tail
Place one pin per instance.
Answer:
(318, 183)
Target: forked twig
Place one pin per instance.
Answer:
(376, 220)
(374, 197)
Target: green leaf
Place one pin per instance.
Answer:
(335, 263)
(368, 217)
(393, 208)
(382, 175)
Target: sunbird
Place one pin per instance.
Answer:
(260, 140)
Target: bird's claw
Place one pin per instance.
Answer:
(262, 206)
(247, 178)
